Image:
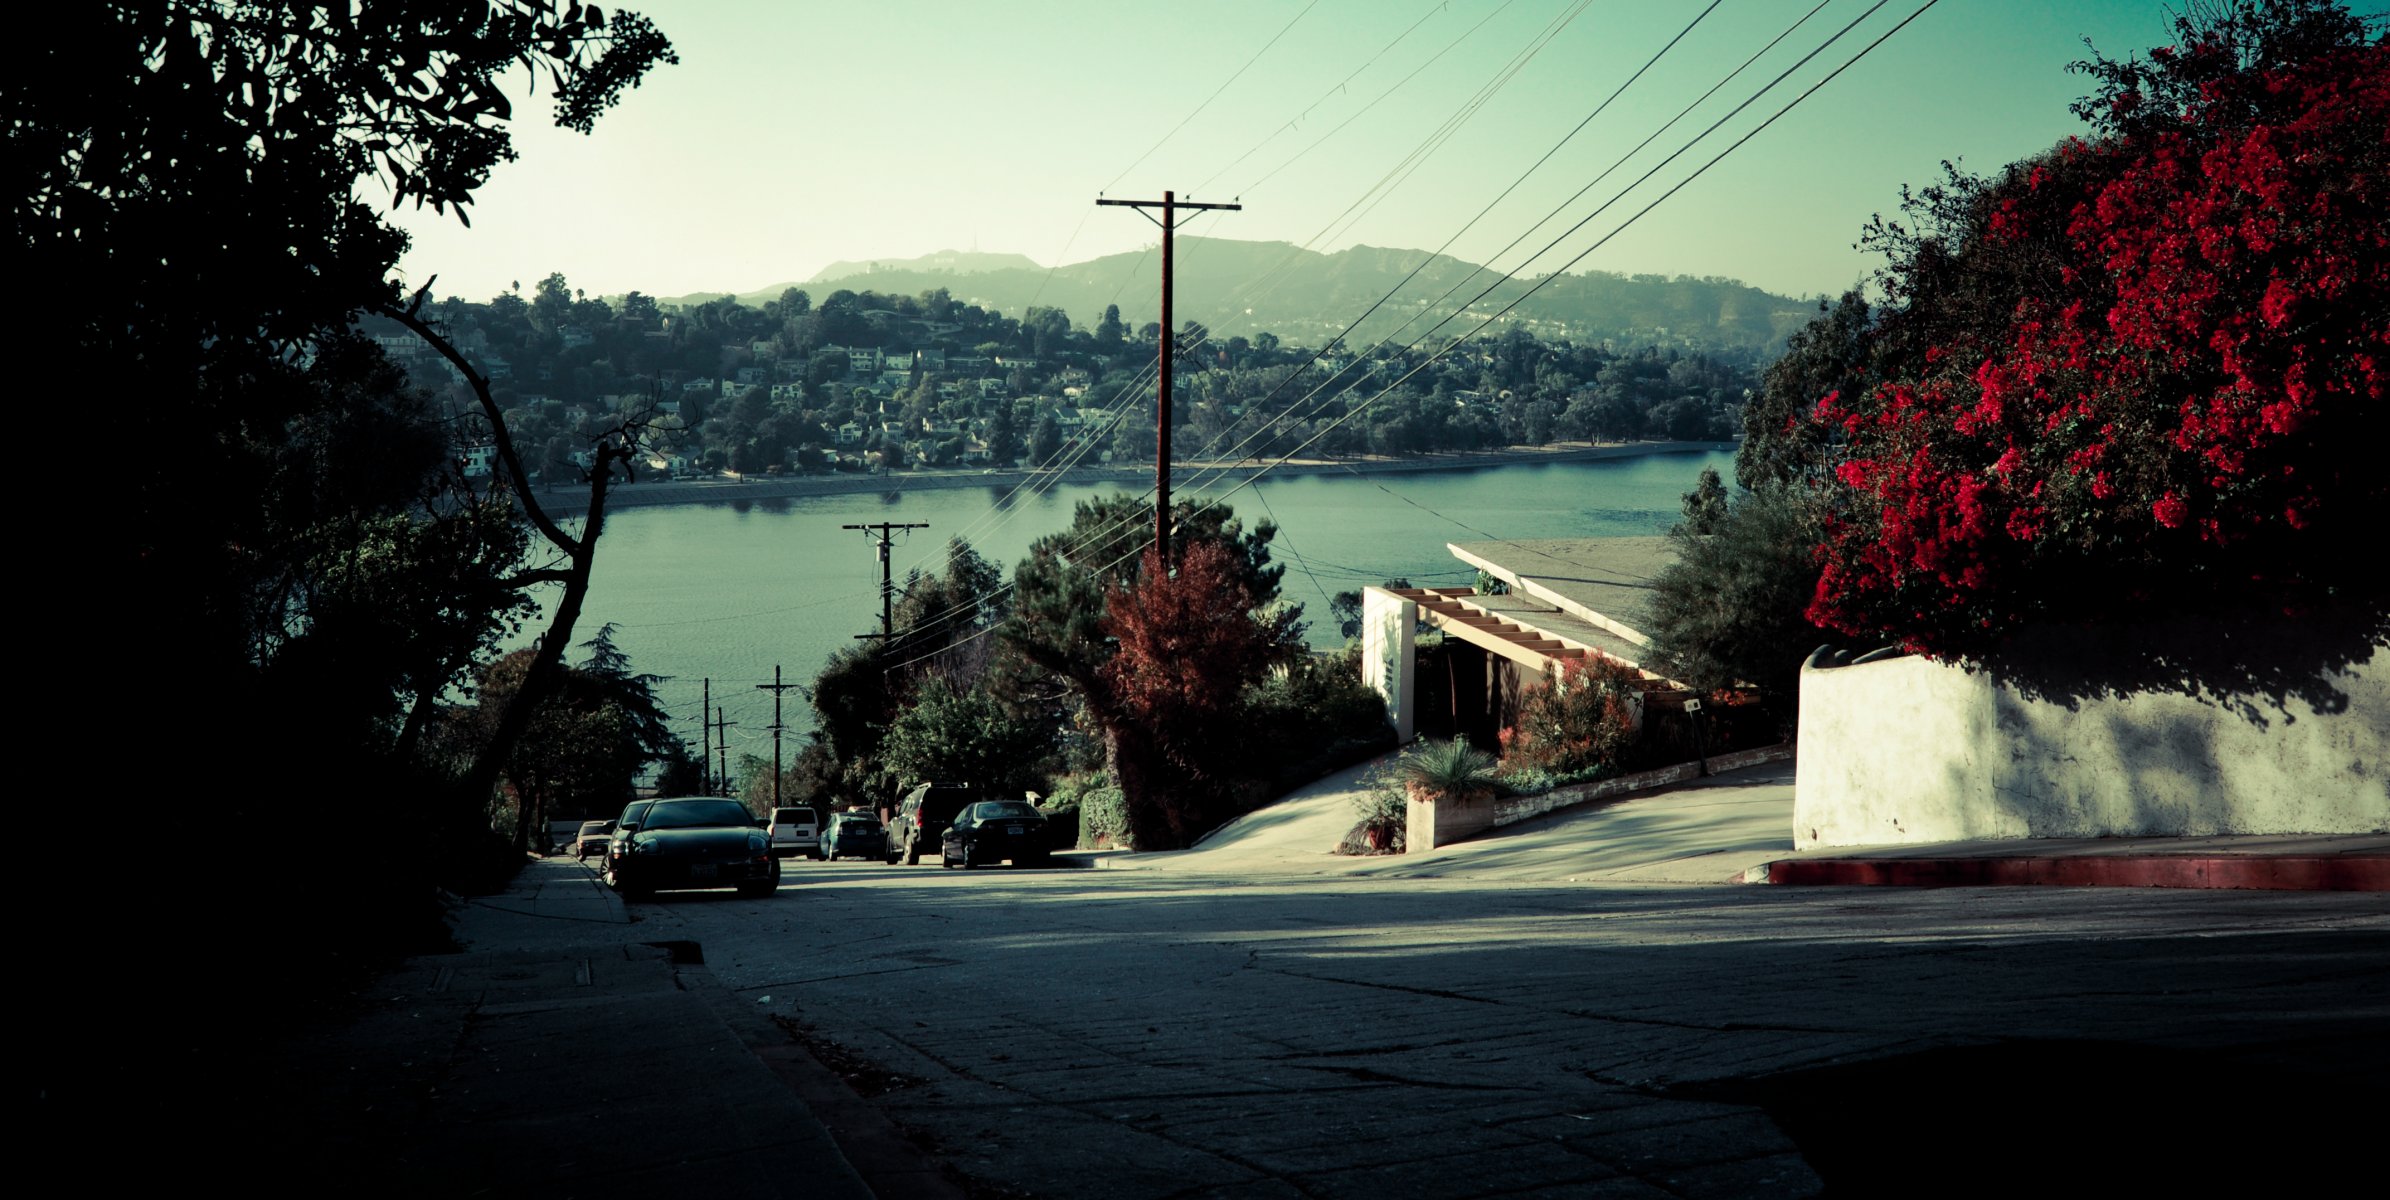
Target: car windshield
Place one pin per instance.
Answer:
(1005, 808)
(595, 827)
(793, 816)
(697, 814)
(635, 812)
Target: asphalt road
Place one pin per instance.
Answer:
(1111, 1034)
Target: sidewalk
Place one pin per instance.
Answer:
(558, 1055)
(1736, 827)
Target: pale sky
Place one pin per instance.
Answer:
(793, 135)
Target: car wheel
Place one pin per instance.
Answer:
(912, 853)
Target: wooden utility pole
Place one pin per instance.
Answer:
(776, 687)
(705, 738)
(887, 582)
(722, 751)
(1170, 205)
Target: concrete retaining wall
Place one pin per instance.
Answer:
(1907, 750)
(1428, 824)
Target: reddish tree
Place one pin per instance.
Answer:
(1190, 643)
(2143, 372)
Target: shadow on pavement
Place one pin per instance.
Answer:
(2080, 1117)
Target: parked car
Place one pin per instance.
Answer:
(693, 842)
(996, 831)
(795, 831)
(921, 818)
(858, 834)
(593, 838)
(624, 826)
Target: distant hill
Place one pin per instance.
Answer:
(1239, 287)
(952, 262)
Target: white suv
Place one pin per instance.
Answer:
(795, 831)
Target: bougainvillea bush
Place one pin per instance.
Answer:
(2142, 373)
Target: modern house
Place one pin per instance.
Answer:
(1557, 599)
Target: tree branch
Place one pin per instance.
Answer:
(513, 461)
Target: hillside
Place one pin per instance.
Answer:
(1241, 287)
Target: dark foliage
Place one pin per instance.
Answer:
(288, 558)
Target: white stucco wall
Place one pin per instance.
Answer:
(1389, 657)
(1907, 750)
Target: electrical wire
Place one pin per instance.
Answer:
(1509, 275)
(1252, 481)
(1297, 119)
(1622, 226)
(1207, 100)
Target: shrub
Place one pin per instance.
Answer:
(1384, 810)
(1095, 806)
(1447, 769)
(1732, 608)
(2139, 374)
(1583, 720)
(1315, 717)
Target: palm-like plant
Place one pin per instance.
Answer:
(1453, 770)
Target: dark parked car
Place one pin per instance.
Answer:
(858, 834)
(921, 818)
(698, 842)
(997, 831)
(632, 814)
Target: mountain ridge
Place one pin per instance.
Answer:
(1242, 287)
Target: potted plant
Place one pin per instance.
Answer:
(1445, 781)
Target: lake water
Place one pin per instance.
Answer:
(728, 590)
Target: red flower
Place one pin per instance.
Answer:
(2170, 511)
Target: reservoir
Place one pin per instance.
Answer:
(726, 590)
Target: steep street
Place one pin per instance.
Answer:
(1123, 1033)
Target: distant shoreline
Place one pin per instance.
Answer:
(649, 492)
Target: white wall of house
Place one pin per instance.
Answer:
(1388, 629)
(1907, 750)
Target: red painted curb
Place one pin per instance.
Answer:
(2337, 873)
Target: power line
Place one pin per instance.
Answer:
(1207, 100)
(1297, 119)
(1539, 285)
(1509, 275)
(1622, 226)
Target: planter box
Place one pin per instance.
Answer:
(1432, 824)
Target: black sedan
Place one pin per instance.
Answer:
(996, 831)
(854, 834)
(698, 842)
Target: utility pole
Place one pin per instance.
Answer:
(1170, 206)
(776, 687)
(705, 738)
(887, 584)
(722, 750)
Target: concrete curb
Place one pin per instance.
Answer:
(2257, 872)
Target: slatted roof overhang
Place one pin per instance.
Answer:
(1525, 630)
